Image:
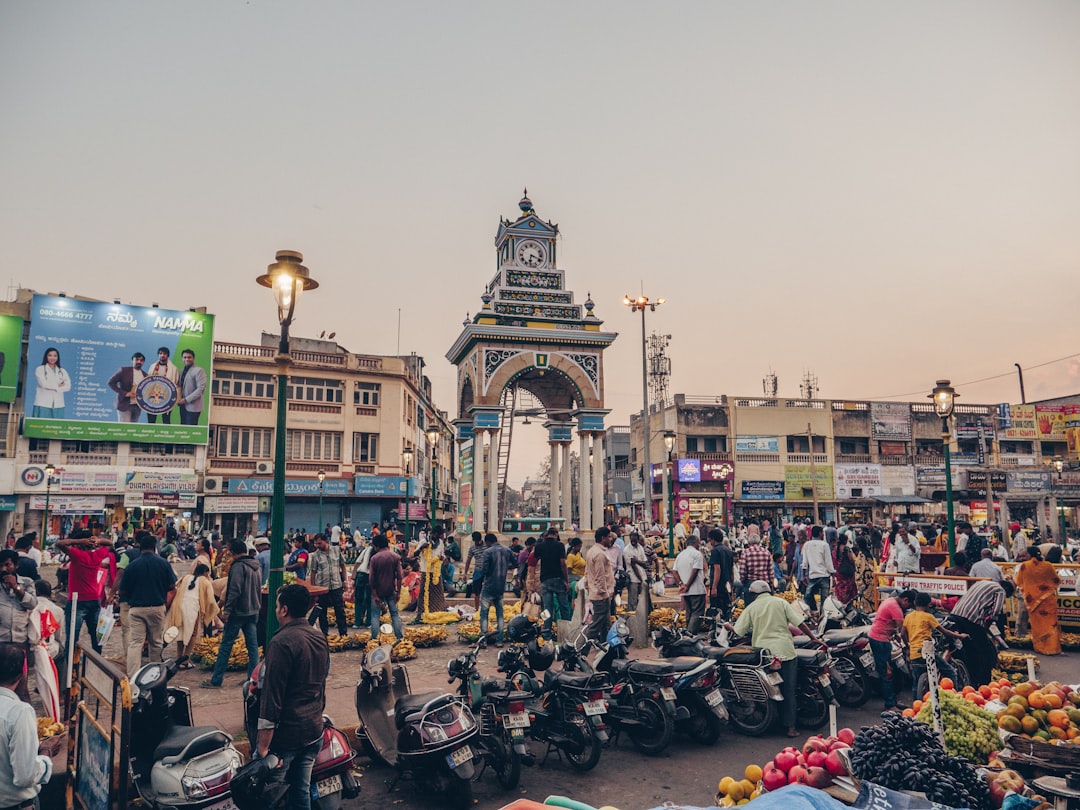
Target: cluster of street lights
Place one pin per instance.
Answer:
(641, 303)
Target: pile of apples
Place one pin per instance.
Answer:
(1003, 781)
(815, 765)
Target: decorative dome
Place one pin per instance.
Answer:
(525, 204)
(487, 298)
(589, 304)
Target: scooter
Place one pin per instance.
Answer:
(174, 764)
(425, 737)
(332, 779)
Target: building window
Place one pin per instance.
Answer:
(367, 394)
(105, 448)
(163, 449)
(243, 384)
(316, 389)
(312, 445)
(242, 442)
(39, 445)
(706, 444)
(365, 448)
(4, 419)
(854, 446)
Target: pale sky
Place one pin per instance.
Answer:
(882, 193)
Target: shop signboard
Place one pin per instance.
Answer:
(221, 505)
(8, 503)
(976, 481)
(1069, 611)
(1021, 423)
(94, 342)
(1050, 419)
(417, 511)
(1028, 481)
(798, 482)
(966, 431)
(762, 490)
(900, 480)
(160, 500)
(866, 478)
(757, 444)
(689, 470)
(293, 486)
(86, 481)
(1072, 430)
(966, 459)
(384, 485)
(717, 470)
(69, 504)
(11, 329)
(945, 586)
(934, 476)
(161, 481)
(890, 420)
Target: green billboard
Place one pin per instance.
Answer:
(11, 329)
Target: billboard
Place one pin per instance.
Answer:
(1021, 423)
(1050, 419)
(11, 329)
(762, 490)
(799, 482)
(757, 444)
(863, 477)
(82, 381)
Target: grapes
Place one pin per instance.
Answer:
(970, 732)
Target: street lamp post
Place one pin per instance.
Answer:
(640, 304)
(406, 456)
(1060, 465)
(50, 471)
(433, 440)
(669, 445)
(288, 278)
(321, 475)
(944, 396)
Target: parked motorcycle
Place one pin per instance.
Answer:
(852, 663)
(500, 711)
(175, 764)
(425, 737)
(749, 679)
(813, 687)
(568, 709)
(332, 779)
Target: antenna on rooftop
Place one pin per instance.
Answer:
(809, 387)
(770, 385)
(659, 367)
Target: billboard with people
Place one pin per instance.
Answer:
(114, 372)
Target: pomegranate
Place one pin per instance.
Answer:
(773, 778)
(816, 759)
(818, 778)
(847, 735)
(785, 761)
(833, 764)
(797, 775)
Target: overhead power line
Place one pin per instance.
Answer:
(984, 379)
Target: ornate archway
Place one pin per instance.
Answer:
(529, 335)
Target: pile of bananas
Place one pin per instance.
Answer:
(1015, 662)
(425, 636)
(663, 617)
(790, 595)
(1069, 641)
(403, 650)
(736, 611)
(468, 632)
(206, 652)
(440, 617)
(47, 727)
(1013, 677)
(350, 615)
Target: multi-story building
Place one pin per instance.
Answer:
(742, 457)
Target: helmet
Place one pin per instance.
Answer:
(520, 629)
(540, 658)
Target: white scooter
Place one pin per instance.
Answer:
(174, 764)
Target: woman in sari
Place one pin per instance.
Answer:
(865, 576)
(193, 608)
(844, 588)
(1039, 583)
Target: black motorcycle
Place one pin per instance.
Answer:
(813, 687)
(852, 663)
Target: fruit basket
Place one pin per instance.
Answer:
(1066, 755)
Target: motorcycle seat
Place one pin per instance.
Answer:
(844, 635)
(809, 656)
(684, 663)
(742, 655)
(802, 642)
(575, 680)
(411, 704)
(198, 740)
(652, 669)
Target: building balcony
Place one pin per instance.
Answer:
(930, 459)
(852, 458)
(39, 457)
(171, 462)
(314, 407)
(241, 402)
(221, 465)
(95, 459)
(804, 458)
(897, 461)
(757, 458)
(329, 467)
(1018, 461)
(710, 456)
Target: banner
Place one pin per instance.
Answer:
(1029, 481)
(863, 477)
(1072, 430)
(890, 420)
(757, 444)
(385, 486)
(86, 481)
(218, 505)
(1050, 419)
(900, 480)
(1021, 424)
(69, 504)
(465, 485)
(797, 482)
(293, 486)
(11, 329)
(85, 381)
(717, 470)
(762, 490)
(160, 500)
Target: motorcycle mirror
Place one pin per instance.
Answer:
(385, 629)
(170, 635)
(622, 628)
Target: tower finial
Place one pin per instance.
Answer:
(525, 204)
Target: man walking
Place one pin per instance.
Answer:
(91, 570)
(327, 568)
(817, 557)
(243, 594)
(497, 560)
(635, 561)
(756, 563)
(690, 577)
(554, 580)
(475, 561)
(262, 557)
(361, 584)
(600, 583)
(721, 573)
(907, 551)
(385, 579)
(293, 696)
(22, 770)
(148, 586)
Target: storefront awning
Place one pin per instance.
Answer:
(901, 499)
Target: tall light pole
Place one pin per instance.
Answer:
(640, 304)
(1060, 465)
(406, 456)
(321, 475)
(669, 445)
(944, 396)
(288, 278)
(433, 440)
(50, 471)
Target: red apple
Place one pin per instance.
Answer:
(773, 778)
(785, 761)
(816, 759)
(797, 775)
(834, 765)
(818, 778)
(847, 735)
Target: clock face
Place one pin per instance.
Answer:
(531, 254)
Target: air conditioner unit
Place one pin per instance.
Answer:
(213, 483)
(264, 468)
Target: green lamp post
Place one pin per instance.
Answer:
(288, 278)
(944, 396)
(406, 456)
(321, 475)
(669, 445)
(1059, 465)
(50, 471)
(433, 440)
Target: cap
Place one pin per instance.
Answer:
(759, 586)
(262, 541)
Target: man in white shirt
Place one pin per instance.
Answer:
(690, 577)
(22, 770)
(635, 560)
(986, 567)
(680, 534)
(907, 551)
(817, 558)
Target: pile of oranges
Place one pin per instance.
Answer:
(734, 792)
(979, 697)
(1050, 712)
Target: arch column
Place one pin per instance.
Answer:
(555, 506)
(493, 482)
(478, 480)
(584, 481)
(565, 489)
(598, 466)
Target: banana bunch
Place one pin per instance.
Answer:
(468, 631)
(403, 651)
(1015, 662)
(1013, 677)
(46, 728)
(350, 615)
(425, 636)
(338, 643)
(440, 617)
(663, 617)
(207, 649)
(790, 595)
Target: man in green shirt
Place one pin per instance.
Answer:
(769, 619)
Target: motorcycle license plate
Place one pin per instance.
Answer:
(714, 698)
(775, 678)
(667, 692)
(594, 707)
(824, 680)
(518, 720)
(867, 659)
(226, 804)
(328, 786)
(459, 757)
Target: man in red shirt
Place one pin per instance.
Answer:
(92, 569)
(887, 622)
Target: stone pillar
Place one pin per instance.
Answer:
(478, 481)
(598, 467)
(567, 505)
(1054, 523)
(555, 508)
(584, 483)
(493, 482)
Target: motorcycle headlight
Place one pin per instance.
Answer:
(193, 787)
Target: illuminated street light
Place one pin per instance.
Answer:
(640, 304)
(944, 397)
(669, 445)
